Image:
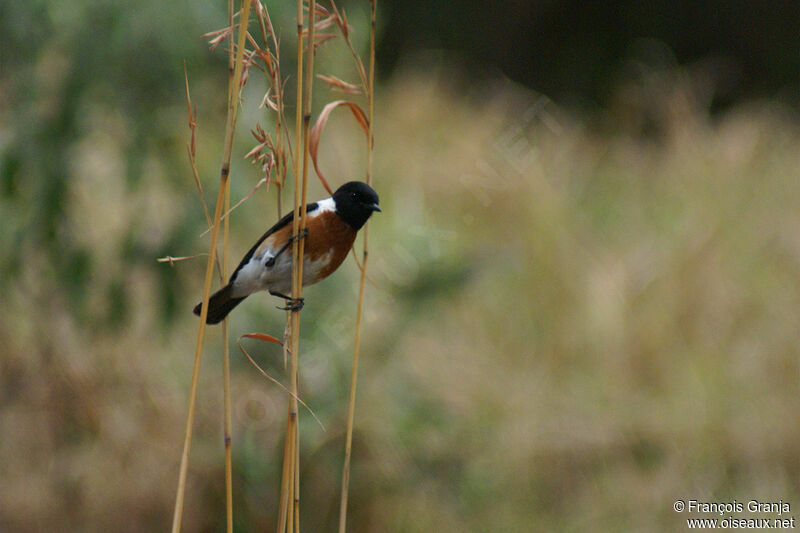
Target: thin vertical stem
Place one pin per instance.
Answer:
(297, 478)
(284, 502)
(362, 284)
(226, 386)
(298, 253)
(233, 102)
(287, 478)
(226, 360)
(178, 513)
(292, 480)
(371, 99)
(291, 456)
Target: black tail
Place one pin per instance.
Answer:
(219, 305)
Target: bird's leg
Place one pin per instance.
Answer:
(280, 295)
(292, 304)
(271, 261)
(302, 235)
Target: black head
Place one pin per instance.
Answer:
(355, 202)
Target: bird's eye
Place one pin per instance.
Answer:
(353, 195)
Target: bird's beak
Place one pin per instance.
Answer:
(375, 207)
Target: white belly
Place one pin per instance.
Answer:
(256, 276)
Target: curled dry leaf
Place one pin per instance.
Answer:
(319, 125)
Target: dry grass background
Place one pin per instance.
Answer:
(569, 330)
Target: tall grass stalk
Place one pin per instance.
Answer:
(226, 385)
(286, 516)
(351, 407)
(290, 488)
(226, 359)
(233, 103)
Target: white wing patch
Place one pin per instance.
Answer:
(328, 204)
(249, 279)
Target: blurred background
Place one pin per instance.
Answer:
(585, 277)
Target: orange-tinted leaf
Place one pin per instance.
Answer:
(262, 337)
(319, 125)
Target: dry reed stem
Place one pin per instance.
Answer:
(287, 477)
(359, 312)
(298, 281)
(292, 481)
(285, 486)
(226, 359)
(297, 478)
(226, 384)
(233, 102)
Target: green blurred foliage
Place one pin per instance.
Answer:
(569, 327)
(82, 73)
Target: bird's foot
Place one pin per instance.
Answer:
(292, 304)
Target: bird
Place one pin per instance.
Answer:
(331, 228)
